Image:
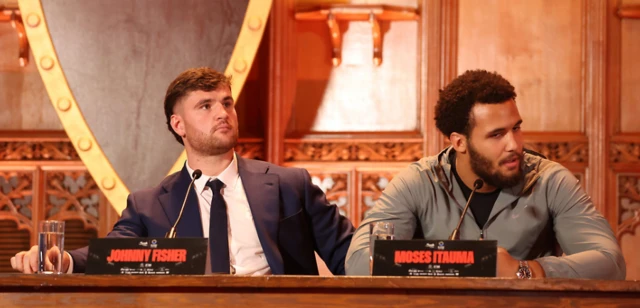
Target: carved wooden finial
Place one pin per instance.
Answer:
(355, 12)
(9, 12)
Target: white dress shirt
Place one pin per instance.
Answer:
(246, 256)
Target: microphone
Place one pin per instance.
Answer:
(172, 232)
(476, 185)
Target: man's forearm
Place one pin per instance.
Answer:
(588, 264)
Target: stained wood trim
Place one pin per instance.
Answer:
(35, 135)
(439, 47)
(594, 94)
(629, 11)
(359, 12)
(555, 137)
(402, 284)
(281, 76)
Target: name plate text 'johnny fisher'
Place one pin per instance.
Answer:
(435, 258)
(147, 256)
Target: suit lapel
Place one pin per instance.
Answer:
(190, 224)
(263, 195)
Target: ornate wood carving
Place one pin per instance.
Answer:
(372, 185)
(625, 152)
(629, 203)
(353, 151)
(250, 149)
(336, 188)
(561, 152)
(16, 197)
(72, 195)
(37, 150)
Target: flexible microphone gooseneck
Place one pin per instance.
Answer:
(476, 185)
(173, 232)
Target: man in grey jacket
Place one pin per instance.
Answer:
(529, 204)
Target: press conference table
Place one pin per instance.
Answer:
(18, 290)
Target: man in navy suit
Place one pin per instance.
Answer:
(260, 218)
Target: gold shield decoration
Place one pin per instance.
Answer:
(106, 66)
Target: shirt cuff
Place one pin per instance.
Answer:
(70, 270)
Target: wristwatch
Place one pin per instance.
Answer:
(524, 272)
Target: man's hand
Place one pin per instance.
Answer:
(508, 266)
(27, 261)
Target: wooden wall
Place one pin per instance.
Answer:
(623, 129)
(572, 62)
(574, 65)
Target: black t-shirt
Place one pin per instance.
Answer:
(482, 203)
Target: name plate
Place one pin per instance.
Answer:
(147, 256)
(435, 258)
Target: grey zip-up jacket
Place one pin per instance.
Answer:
(549, 207)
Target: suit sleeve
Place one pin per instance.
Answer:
(332, 231)
(586, 238)
(129, 225)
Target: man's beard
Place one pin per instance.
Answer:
(210, 145)
(482, 167)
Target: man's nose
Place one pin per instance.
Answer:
(221, 113)
(512, 142)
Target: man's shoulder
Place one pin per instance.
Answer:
(259, 166)
(541, 165)
(160, 188)
(429, 166)
(545, 171)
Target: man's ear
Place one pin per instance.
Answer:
(459, 142)
(177, 124)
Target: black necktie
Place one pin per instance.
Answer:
(218, 230)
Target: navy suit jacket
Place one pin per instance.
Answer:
(291, 215)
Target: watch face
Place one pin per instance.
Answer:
(523, 272)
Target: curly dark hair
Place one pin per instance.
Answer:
(194, 79)
(454, 105)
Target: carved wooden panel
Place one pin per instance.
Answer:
(562, 152)
(72, 195)
(353, 151)
(629, 221)
(629, 202)
(538, 46)
(16, 213)
(250, 148)
(16, 198)
(12, 240)
(37, 150)
(336, 187)
(625, 152)
(372, 183)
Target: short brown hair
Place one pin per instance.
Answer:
(194, 79)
